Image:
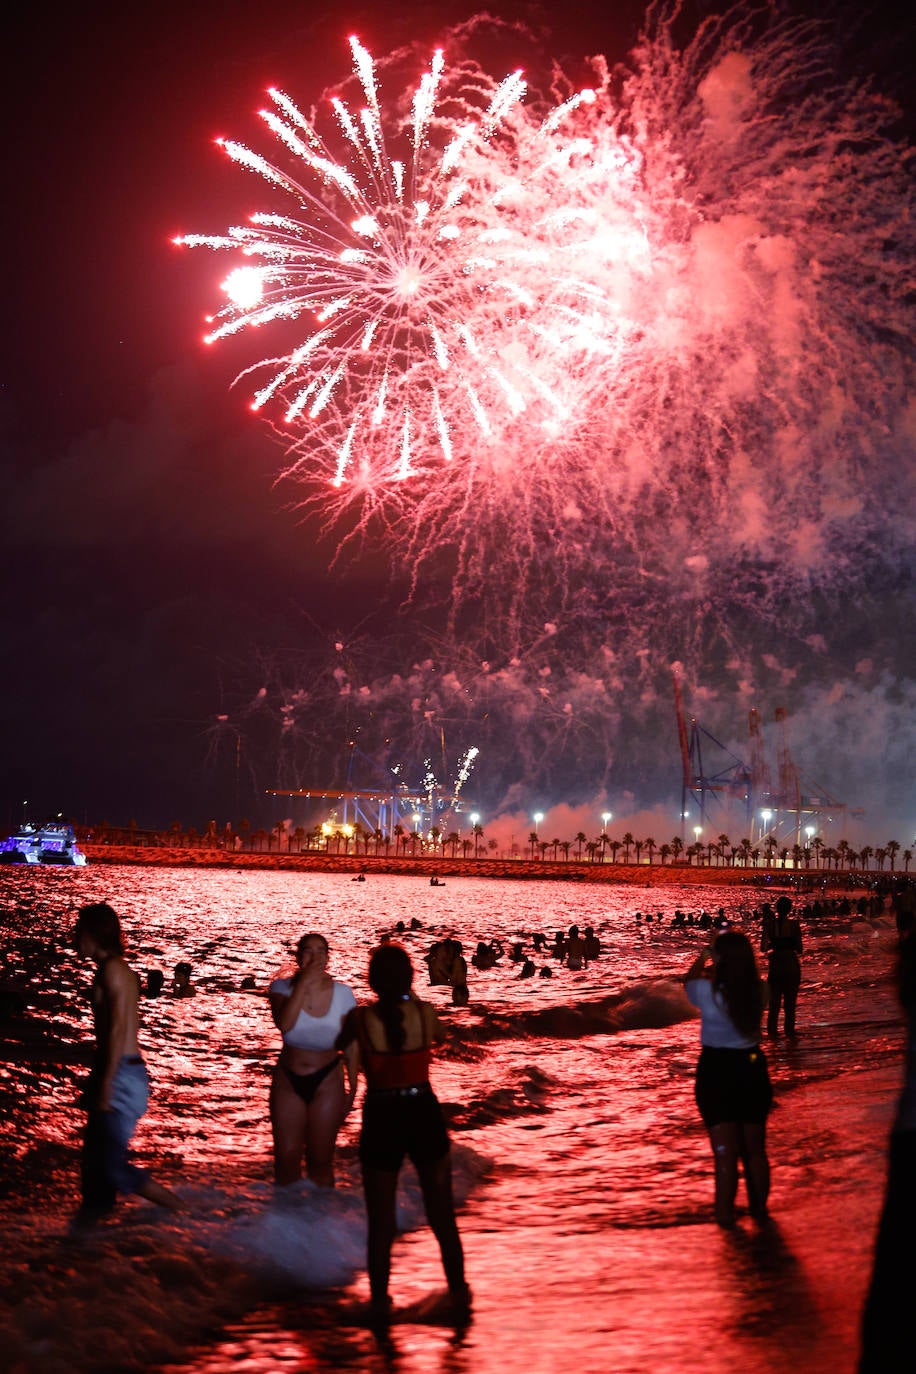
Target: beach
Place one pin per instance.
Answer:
(581, 1165)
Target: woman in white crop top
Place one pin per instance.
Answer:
(309, 1097)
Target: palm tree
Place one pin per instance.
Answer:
(544, 846)
(533, 842)
(796, 856)
(478, 836)
(843, 849)
(880, 855)
(580, 841)
(649, 846)
(454, 839)
(677, 848)
(723, 842)
(817, 845)
(466, 847)
(566, 846)
(770, 846)
(637, 845)
(399, 833)
(907, 859)
(755, 855)
(298, 835)
(555, 845)
(664, 853)
(865, 854)
(614, 847)
(892, 848)
(435, 834)
(627, 842)
(591, 849)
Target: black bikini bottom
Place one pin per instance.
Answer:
(306, 1085)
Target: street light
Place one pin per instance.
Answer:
(605, 817)
(537, 818)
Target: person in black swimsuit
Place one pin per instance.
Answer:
(401, 1116)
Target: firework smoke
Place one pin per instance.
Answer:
(627, 368)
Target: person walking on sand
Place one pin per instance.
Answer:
(401, 1116)
(733, 1089)
(782, 942)
(117, 1091)
(309, 1098)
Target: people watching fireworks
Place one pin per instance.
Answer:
(392, 1041)
(313, 1086)
(733, 1091)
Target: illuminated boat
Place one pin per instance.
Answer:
(51, 843)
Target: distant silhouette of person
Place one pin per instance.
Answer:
(393, 1038)
(117, 1091)
(487, 956)
(155, 981)
(309, 1098)
(527, 970)
(887, 1323)
(782, 942)
(181, 981)
(733, 1091)
(575, 950)
(446, 964)
(592, 945)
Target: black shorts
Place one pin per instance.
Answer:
(396, 1125)
(733, 1085)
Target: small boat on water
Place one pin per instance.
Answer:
(51, 843)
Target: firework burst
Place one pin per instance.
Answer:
(387, 267)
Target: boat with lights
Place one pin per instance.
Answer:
(53, 843)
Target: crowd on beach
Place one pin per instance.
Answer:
(329, 1041)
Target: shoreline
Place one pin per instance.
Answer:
(517, 870)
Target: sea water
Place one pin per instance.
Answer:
(582, 1170)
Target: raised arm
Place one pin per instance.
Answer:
(286, 1007)
(700, 966)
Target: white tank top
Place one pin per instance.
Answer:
(316, 1032)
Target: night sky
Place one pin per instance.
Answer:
(147, 556)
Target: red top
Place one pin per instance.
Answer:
(391, 1069)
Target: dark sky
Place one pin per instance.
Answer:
(145, 550)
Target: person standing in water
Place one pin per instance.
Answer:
(309, 1098)
(117, 1093)
(782, 942)
(733, 1089)
(402, 1116)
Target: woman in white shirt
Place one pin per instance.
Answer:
(733, 1089)
(309, 1097)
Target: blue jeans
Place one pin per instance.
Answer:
(106, 1168)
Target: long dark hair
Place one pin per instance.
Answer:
(737, 979)
(390, 978)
